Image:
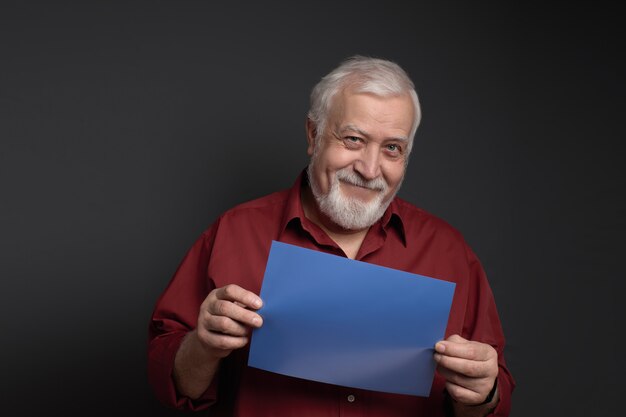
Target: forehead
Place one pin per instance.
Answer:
(367, 110)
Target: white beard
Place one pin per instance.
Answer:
(351, 213)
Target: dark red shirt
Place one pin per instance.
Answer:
(235, 250)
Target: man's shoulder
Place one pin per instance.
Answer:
(416, 219)
(268, 201)
(270, 205)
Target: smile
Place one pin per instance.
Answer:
(362, 186)
(358, 191)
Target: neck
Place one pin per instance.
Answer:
(348, 240)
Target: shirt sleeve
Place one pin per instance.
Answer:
(482, 324)
(175, 314)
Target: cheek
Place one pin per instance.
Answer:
(394, 175)
(334, 159)
(399, 177)
(322, 172)
(394, 180)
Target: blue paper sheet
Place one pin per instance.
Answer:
(335, 320)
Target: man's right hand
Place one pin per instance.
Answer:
(226, 317)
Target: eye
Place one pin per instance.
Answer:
(352, 142)
(394, 148)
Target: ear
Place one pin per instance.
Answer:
(311, 133)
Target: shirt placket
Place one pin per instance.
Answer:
(352, 403)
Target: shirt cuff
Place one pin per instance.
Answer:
(161, 354)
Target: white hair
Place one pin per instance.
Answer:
(363, 75)
(350, 213)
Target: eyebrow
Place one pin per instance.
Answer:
(353, 128)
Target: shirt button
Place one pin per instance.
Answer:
(351, 398)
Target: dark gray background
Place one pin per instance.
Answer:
(126, 128)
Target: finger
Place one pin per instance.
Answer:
(457, 339)
(225, 325)
(463, 395)
(478, 385)
(451, 340)
(232, 311)
(466, 367)
(466, 349)
(222, 342)
(237, 294)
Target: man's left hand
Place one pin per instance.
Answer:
(470, 368)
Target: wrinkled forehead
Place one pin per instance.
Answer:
(396, 110)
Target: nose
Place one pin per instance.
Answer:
(368, 165)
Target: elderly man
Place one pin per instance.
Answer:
(360, 130)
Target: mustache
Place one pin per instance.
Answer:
(351, 177)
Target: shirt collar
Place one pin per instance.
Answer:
(393, 218)
(293, 208)
(295, 212)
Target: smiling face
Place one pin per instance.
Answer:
(358, 165)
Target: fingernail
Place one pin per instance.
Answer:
(440, 347)
(258, 303)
